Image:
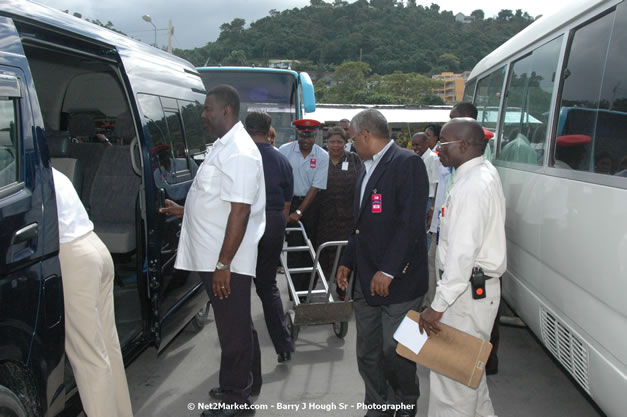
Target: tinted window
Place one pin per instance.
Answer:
(488, 98)
(592, 127)
(168, 151)
(274, 93)
(195, 134)
(528, 104)
(469, 90)
(8, 142)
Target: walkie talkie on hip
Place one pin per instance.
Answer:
(477, 283)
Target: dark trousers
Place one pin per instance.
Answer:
(382, 370)
(240, 364)
(302, 259)
(270, 247)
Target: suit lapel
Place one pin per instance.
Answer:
(374, 178)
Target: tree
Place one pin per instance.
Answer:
(237, 58)
(505, 15)
(316, 3)
(449, 61)
(478, 14)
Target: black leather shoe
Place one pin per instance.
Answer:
(218, 394)
(284, 357)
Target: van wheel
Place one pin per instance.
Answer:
(201, 318)
(10, 405)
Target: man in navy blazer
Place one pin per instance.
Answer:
(387, 250)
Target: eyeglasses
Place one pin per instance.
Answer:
(448, 143)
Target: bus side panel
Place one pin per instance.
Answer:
(571, 302)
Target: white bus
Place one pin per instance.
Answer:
(563, 164)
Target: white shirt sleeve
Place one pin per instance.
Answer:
(322, 173)
(240, 183)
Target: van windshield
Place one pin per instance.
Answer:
(272, 92)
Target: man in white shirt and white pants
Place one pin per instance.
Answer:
(223, 221)
(472, 234)
(91, 338)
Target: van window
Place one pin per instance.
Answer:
(168, 155)
(196, 135)
(488, 98)
(528, 104)
(8, 142)
(592, 127)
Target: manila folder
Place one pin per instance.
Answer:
(452, 353)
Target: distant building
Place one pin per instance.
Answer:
(282, 63)
(460, 17)
(453, 89)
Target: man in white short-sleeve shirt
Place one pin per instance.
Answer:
(223, 221)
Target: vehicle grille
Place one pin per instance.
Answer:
(569, 350)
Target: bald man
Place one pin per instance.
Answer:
(472, 243)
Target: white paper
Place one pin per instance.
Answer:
(408, 334)
(345, 166)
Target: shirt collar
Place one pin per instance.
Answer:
(230, 135)
(467, 167)
(380, 154)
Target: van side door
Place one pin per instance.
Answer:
(31, 298)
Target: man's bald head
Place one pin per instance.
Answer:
(461, 140)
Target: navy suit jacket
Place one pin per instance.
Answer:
(393, 240)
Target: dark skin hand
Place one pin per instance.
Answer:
(343, 273)
(429, 321)
(309, 198)
(235, 230)
(172, 209)
(380, 284)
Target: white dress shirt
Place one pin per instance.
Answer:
(432, 163)
(232, 172)
(73, 219)
(472, 230)
(371, 165)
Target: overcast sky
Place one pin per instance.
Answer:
(197, 22)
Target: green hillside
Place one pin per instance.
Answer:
(386, 34)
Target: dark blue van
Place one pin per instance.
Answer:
(122, 120)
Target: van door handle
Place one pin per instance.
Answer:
(26, 234)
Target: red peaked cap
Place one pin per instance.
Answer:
(573, 140)
(487, 134)
(307, 127)
(160, 148)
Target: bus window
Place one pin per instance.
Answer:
(592, 127)
(469, 91)
(488, 98)
(528, 104)
(8, 142)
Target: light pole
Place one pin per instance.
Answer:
(148, 19)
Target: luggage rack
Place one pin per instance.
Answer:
(318, 306)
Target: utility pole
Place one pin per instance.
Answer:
(170, 34)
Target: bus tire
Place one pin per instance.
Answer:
(10, 404)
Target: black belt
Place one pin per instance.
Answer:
(298, 198)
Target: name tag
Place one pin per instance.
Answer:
(376, 203)
(312, 163)
(345, 166)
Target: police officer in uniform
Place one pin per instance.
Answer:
(310, 166)
(472, 243)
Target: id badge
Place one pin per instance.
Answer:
(377, 203)
(312, 163)
(345, 166)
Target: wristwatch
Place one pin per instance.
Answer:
(300, 213)
(222, 267)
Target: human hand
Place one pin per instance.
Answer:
(380, 284)
(172, 209)
(429, 320)
(293, 218)
(342, 275)
(222, 283)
